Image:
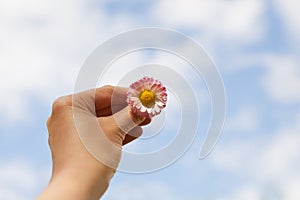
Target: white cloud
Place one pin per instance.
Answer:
(281, 73)
(8, 194)
(247, 192)
(20, 180)
(288, 10)
(281, 155)
(282, 79)
(43, 44)
(148, 191)
(238, 20)
(246, 119)
(271, 159)
(293, 191)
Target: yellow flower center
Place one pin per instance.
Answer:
(147, 98)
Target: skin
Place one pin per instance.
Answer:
(76, 174)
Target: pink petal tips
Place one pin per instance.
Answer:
(147, 97)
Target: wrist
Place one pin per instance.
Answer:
(78, 183)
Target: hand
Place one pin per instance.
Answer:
(76, 174)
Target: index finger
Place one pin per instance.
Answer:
(101, 101)
(110, 99)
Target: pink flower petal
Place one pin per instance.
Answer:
(133, 97)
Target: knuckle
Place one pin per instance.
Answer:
(108, 88)
(61, 103)
(48, 121)
(49, 141)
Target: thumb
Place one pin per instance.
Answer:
(119, 124)
(126, 120)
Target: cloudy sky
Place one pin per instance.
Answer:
(254, 44)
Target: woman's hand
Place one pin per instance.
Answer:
(76, 174)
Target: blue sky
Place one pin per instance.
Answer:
(254, 44)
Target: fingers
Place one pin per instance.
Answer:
(101, 101)
(132, 135)
(145, 122)
(136, 132)
(120, 124)
(126, 120)
(105, 101)
(109, 99)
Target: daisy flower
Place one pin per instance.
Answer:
(147, 97)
